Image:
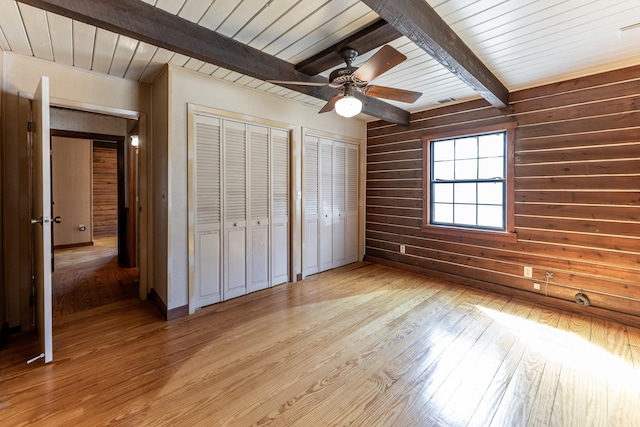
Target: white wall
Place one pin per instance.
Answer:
(195, 88)
(72, 88)
(159, 181)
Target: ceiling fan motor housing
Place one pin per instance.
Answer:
(341, 75)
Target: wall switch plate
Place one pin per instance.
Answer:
(402, 249)
(536, 286)
(528, 271)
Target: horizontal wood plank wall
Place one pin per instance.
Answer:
(577, 192)
(105, 191)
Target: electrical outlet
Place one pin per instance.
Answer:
(536, 286)
(402, 249)
(528, 271)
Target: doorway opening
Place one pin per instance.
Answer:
(95, 197)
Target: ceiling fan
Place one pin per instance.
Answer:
(349, 79)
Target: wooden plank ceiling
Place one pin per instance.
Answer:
(522, 43)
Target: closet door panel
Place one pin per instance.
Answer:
(206, 182)
(280, 197)
(351, 234)
(311, 206)
(339, 203)
(208, 271)
(235, 209)
(326, 204)
(258, 190)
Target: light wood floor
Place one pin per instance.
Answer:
(363, 345)
(89, 276)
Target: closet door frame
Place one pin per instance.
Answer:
(360, 148)
(294, 189)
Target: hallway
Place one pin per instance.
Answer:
(89, 276)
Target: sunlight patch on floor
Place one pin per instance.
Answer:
(570, 350)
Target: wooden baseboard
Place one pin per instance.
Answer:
(176, 313)
(4, 333)
(624, 318)
(155, 298)
(73, 245)
(167, 314)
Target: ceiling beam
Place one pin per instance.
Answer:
(416, 20)
(369, 38)
(141, 21)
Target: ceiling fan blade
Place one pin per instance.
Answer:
(394, 94)
(383, 60)
(331, 104)
(297, 83)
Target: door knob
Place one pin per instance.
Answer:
(57, 219)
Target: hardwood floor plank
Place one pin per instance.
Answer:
(332, 365)
(618, 379)
(515, 407)
(568, 406)
(362, 345)
(419, 363)
(473, 385)
(383, 373)
(280, 365)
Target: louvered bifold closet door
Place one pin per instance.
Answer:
(326, 204)
(310, 206)
(280, 196)
(207, 213)
(351, 234)
(235, 208)
(258, 227)
(339, 203)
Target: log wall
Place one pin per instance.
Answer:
(105, 191)
(577, 193)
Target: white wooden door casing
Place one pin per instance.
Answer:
(326, 203)
(311, 207)
(280, 197)
(42, 212)
(258, 209)
(207, 210)
(351, 225)
(235, 209)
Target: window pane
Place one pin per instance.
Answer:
(443, 193)
(467, 186)
(490, 216)
(443, 213)
(465, 193)
(492, 167)
(467, 148)
(466, 169)
(465, 214)
(443, 170)
(443, 150)
(491, 145)
(490, 193)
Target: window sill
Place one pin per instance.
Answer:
(459, 233)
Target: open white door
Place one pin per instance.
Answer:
(41, 218)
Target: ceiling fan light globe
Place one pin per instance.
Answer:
(348, 106)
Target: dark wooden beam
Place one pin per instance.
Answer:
(369, 38)
(141, 21)
(423, 26)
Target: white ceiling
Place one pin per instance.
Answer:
(523, 42)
